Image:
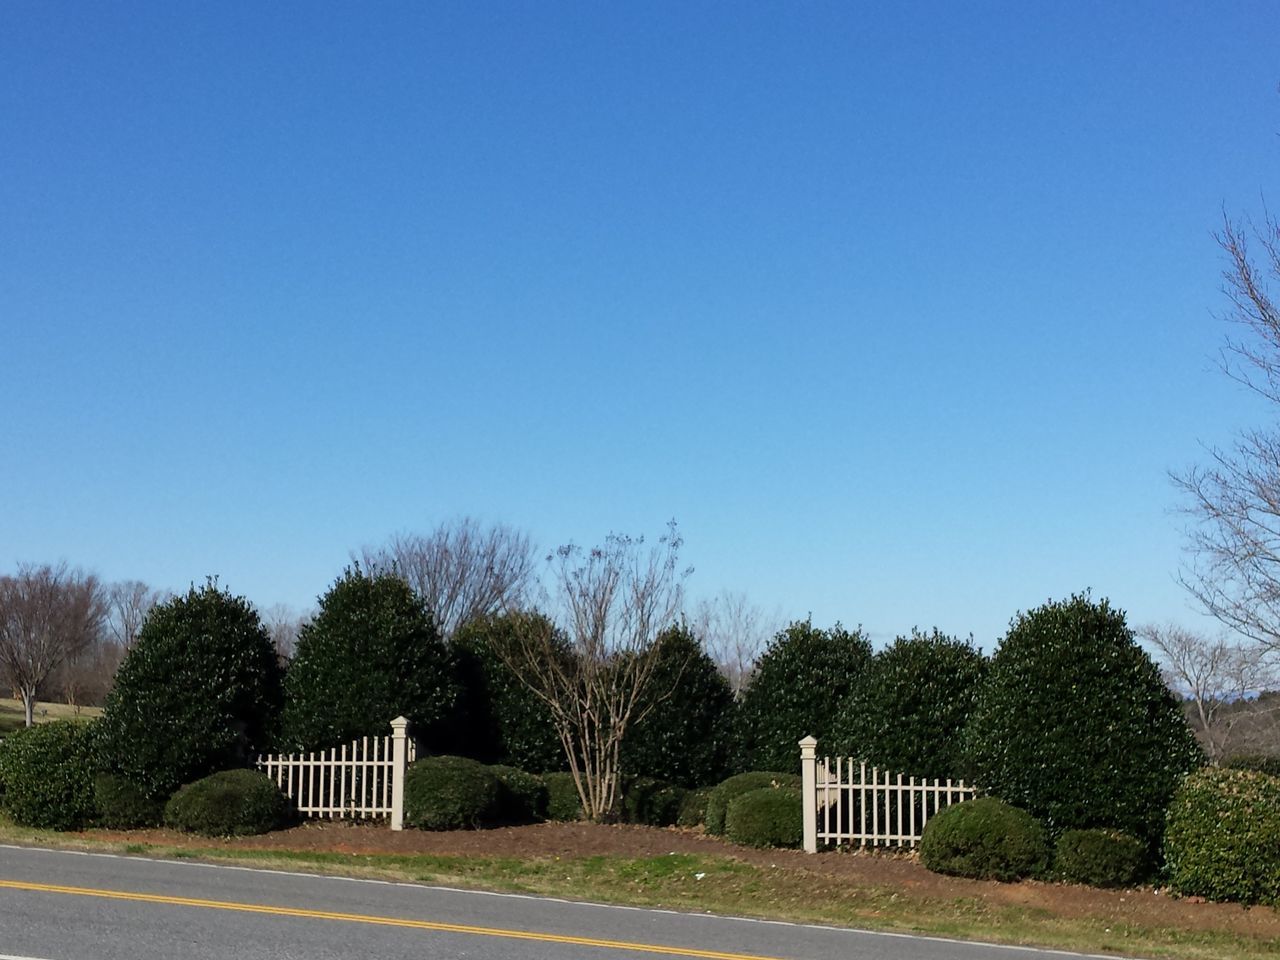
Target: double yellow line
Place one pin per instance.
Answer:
(432, 925)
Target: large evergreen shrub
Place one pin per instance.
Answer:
(229, 803)
(1223, 837)
(766, 817)
(723, 793)
(685, 734)
(1075, 725)
(563, 801)
(123, 805)
(48, 773)
(524, 795)
(652, 802)
(984, 839)
(199, 691)
(451, 793)
(909, 709)
(498, 719)
(1100, 858)
(371, 654)
(797, 690)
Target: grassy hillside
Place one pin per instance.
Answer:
(11, 716)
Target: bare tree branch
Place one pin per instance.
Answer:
(129, 602)
(735, 633)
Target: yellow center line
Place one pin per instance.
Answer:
(433, 925)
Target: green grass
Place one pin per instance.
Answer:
(12, 718)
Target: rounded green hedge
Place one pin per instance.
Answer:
(652, 802)
(1258, 762)
(1076, 726)
(766, 817)
(123, 805)
(721, 794)
(1100, 858)
(451, 793)
(1222, 841)
(524, 795)
(693, 808)
(985, 839)
(563, 802)
(48, 773)
(230, 803)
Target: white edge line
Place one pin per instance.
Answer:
(577, 903)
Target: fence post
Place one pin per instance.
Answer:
(398, 766)
(809, 792)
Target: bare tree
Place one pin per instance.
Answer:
(1234, 502)
(1222, 682)
(129, 602)
(283, 623)
(85, 677)
(735, 632)
(47, 614)
(593, 662)
(462, 570)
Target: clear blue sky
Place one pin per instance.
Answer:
(903, 311)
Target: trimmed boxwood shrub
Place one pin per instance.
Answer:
(563, 802)
(908, 711)
(230, 803)
(653, 802)
(685, 735)
(48, 774)
(449, 793)
(1258, 762)
(1075, 725)
(723, 793)
(693, 808)
(1100, 858)
(797, 690)
(199, 691)
(1223, 837)
(766, 817)
(123, 805)
(524, 795)
(372, 653)
(985, 839)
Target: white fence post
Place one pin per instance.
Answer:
(809, 792)
(398, 766)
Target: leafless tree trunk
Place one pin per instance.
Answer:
(129, 602)
(462, 570)
(1233, 503)
(47, 614)
(284, 624)
(1222, 681)
(735, 632)
(611, 604)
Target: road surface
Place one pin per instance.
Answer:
(60, 905)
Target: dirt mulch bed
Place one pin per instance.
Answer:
(1144, 907)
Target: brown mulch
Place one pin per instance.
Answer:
(1144, 907)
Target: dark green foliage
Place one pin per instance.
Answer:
(693, 808)
(123, 805)
(48, 774)
(985, 839)
(908, 711)
(1075, 725)
(451, 793)
(1100, 858)
(766, 817)
(230, 803)
(371, 654)
(1258, 762)
(563, 802)
(797, 690)
(497, 718)
(1223, 837)
(723, 793)
(199, 691)
(655, 803)
(685, 734)
(524, 795)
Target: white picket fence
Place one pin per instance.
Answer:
(845, 801)
(358, 780)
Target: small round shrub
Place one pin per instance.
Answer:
(451, 793)
(230, 803)
(563, 802)
(985, 839)
(766, 817)
(123, 805)
(1258, 762)
(797, 690)
(524, 795)
(723, 793)
(652, 802)
(1100, 858)
(693, 808)
(1223, 837)
(48, 774)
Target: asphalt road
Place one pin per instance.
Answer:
(57, 905)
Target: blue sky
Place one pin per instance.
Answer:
(903, 313)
